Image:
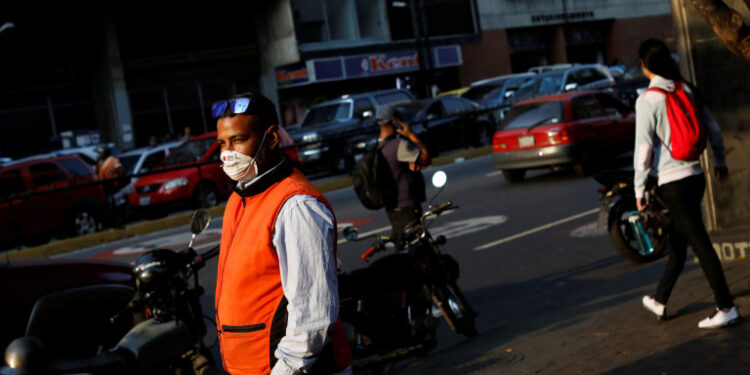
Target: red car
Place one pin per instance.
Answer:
(154, 195)
(578, 128)
(36, 204)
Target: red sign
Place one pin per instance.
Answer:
(380, 63)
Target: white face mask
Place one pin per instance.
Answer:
(241, 167)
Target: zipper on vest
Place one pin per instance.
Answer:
(242, 329)
(243, 202)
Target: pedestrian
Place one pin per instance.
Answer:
(109, 168)
(406, 155)
(681, 184)
(187, 133)
(277, 305)
(152, 141)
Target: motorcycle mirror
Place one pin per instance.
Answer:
(351, 233)
(26, 354)
(439, 179)
(198, 224)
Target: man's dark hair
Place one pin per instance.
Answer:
(657, 58)
(260, 107)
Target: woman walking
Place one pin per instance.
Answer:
(681, 183)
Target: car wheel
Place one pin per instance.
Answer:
(206, 196)
(83, 219)
(514, 175)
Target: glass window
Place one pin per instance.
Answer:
(151, 161)
(612, 105)
(11, 183)
(327, 114)
(128, 162)
(534, 114)
(482, 92)
(44, 174)
(550, 85)
(189, 152)
(361, 106)
(456, 105)
(393, 98)
(586, 107)
(76, 168)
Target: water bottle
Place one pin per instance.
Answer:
(639, 231)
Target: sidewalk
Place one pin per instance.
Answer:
(610, 333)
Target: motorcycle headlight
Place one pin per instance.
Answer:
(310, 137)
(175, 183)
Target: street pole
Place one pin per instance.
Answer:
(425, 64)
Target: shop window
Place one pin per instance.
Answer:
(339, 20)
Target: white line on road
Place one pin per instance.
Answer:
(342, 240)
(493, 174)
(537, 229)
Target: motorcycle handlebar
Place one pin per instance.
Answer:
(367, 254)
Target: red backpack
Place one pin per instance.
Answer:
(687, 133)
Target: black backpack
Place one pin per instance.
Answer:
(373, 181)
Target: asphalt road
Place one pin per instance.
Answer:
(522, 248)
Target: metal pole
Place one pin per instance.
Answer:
(417, 19)
(166, 108)
(203, 106)
(52, 117)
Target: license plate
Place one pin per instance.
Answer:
(144, 201)
(526, 141)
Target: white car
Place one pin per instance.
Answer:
(141, 160)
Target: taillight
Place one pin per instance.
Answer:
(558, 136)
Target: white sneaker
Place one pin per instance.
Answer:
(721, 318)
(655, 307)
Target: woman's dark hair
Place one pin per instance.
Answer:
(657, 58)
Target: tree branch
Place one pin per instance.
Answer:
(727, 24)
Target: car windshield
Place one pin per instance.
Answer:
(190, 151)
(128, 162)
(534, 114)
(539, 86)
(327, 114)
(412, 111)
(480, 92)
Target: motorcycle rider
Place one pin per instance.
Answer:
(405, 156)
(277, 305)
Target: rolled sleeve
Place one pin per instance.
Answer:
(304, 238)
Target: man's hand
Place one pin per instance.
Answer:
(640, 203)
(402, 128)
(721, 173)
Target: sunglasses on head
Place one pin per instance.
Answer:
(234, 106)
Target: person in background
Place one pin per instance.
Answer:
(187, 133)
(406, 155)
(681, 185)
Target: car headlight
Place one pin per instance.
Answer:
(310, 138)
(175, 183)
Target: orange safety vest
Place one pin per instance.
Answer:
(251, 310)
(106, 168)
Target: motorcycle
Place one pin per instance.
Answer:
(617, 187)
(391, 307)
(163, 321)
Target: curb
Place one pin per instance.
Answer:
(143, 228)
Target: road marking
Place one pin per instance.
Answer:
(493, 174)
(463, 227)
(537, 229)
(588, 230)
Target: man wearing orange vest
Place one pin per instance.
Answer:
(276, 289)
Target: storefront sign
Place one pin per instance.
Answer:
(360, 66)
(561, 17)
(292, 75)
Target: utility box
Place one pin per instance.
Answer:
(724, 84)
(79, 138)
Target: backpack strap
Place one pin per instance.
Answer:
(678, 85)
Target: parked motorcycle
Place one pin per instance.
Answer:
(390, 308)
(163, 321)
(617, 187)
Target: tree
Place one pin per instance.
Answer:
(727, 24)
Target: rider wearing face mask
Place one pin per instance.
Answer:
(276, 290)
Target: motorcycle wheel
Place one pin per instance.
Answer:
(455, 308)
(623, 238)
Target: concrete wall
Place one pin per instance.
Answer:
(504, 14)
(724, 84)
(488, 58)
(627, 34)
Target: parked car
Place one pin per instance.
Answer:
(447, 123)
(328, 129)
(546, 68)
(578, 77)
(86, 153)
(157, 194)
(143, 160)
(456, 92)
(30, 213)
(633, 83)
(4, 160)
(496, 92)
(579, 128)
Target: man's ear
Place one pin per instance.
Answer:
(273, 137)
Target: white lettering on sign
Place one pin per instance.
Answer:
(468, 226)
(379, 63)
(731, 250)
